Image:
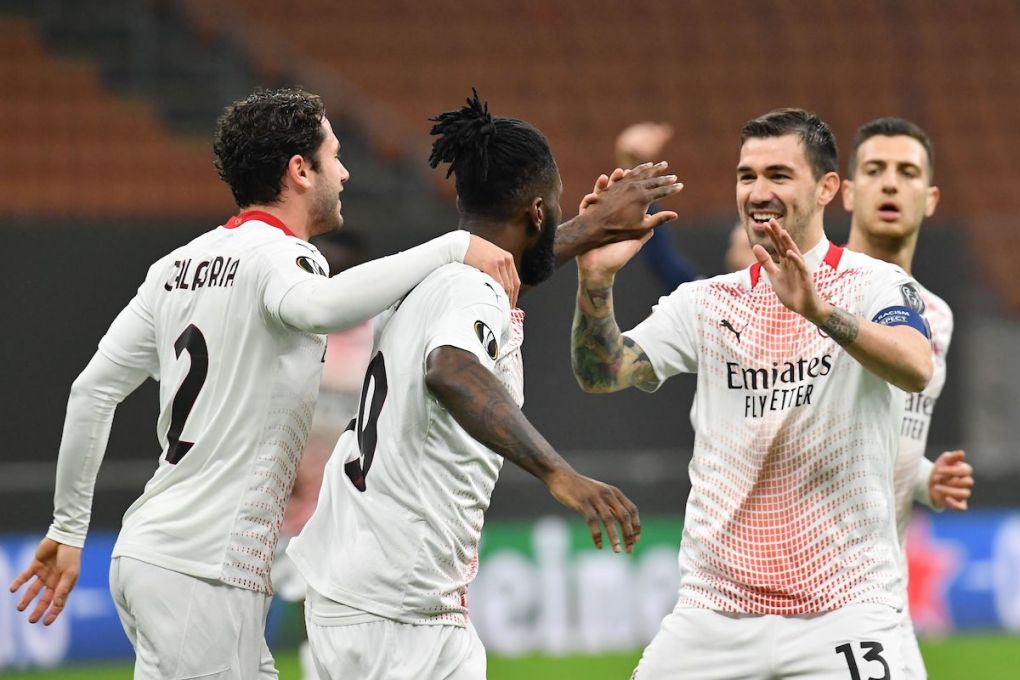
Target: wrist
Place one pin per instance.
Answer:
(556, 473)
(565, 242)
(595, 279)
(821, 313)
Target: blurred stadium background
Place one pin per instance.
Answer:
(105, 164)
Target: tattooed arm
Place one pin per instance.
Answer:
(603, 359)
(480, 404)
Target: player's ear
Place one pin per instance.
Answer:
(931, 200)
(848, 195)
(536, 213)
(828, 188)
(298, 171)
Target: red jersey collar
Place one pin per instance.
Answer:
(832, 258)
(260, 215)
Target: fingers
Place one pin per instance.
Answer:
(952, 497)
(41, 606)
(616, 176)
(626, 514)
(67, 582)
(22, 578)
(609, 508)
(658, 219)
(764, 259)
(951, 457)
(665, 190)
(588, 200)
(495, 262)
(593, 526)
(606, 514)
(647, 170)
(514, 281)
(31, 593)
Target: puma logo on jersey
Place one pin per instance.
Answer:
(728, 326)
(488, 339)
(310, 265)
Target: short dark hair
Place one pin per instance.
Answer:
(498, 162)
(819, 142)
(256, 137)
(891, 126)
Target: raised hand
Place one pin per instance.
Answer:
(55, 568)
(951, 481)
(616, 210)
(790, 277)
(642, 142)
(598, 502)
(497, 263)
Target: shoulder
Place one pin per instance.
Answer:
(937, 311)
(275, 248)
(851, 260)
(733, 283)
(464, 284)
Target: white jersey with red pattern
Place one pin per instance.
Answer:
(396, 529)
(911, 471)
(791, 505)
(237, 389)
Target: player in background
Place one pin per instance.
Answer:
(393, 543)
(641, 143)
(229, 324)
(789, 564)
(889, 191)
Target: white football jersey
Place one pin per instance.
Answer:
(791, 503)
(918, 409)
(236, 393)
(396, 529)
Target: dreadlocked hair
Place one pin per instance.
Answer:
(499, 163)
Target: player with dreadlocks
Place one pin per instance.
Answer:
(393, 544)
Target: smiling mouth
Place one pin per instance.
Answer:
(759, 218)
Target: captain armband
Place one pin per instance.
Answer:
(903, 316)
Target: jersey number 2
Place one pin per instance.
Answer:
(193, 341)
(367, 422)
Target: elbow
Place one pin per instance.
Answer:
(919, 377)
(589, 383)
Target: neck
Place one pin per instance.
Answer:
(506, 234)
(296, 220)
(811, 237)
(897, 250)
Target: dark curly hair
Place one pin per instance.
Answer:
(498, 162)
(257, 136)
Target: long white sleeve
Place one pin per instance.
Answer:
(95, 395)
(922, 492)
(358, 294)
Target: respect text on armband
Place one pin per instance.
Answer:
(778, 387)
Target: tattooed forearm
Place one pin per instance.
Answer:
(842, 326)
(480, 404)
(602, 358)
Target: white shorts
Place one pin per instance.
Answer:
(187, 627)
(389, 650)
(913, 664)
(857, 642)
